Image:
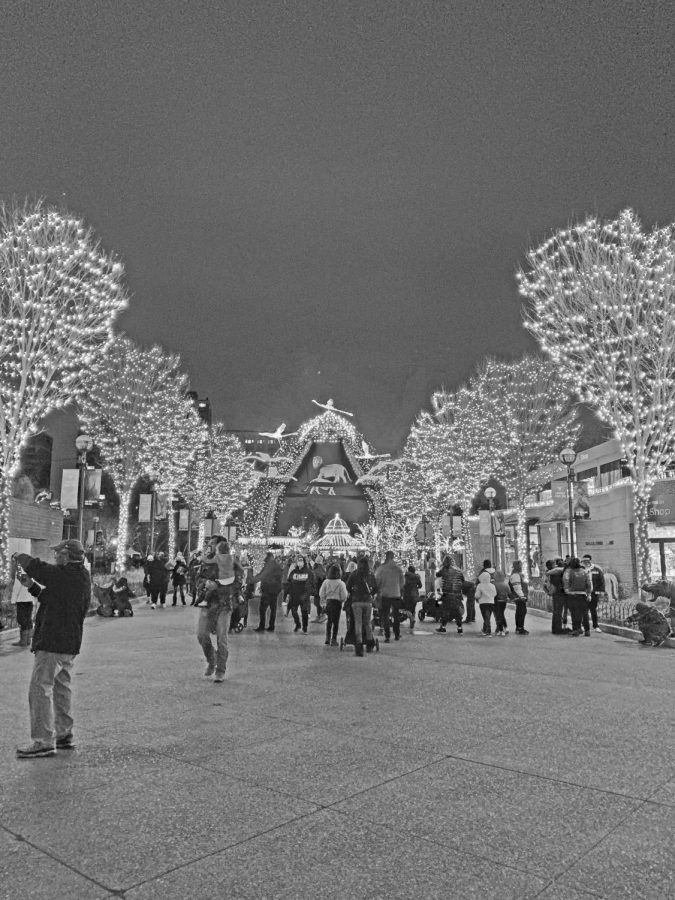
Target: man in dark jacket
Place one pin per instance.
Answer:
(553, 585)
(63, 592)
(452, 580)
(270, 577)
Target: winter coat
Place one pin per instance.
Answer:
(333, 589)
(62, 604)
(270, 576)
(389, 579)
(361, 589)
(452, 580)
(577, 581)
(411, 587)
(300, 585)
(486, 592)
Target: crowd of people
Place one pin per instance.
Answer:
(221, 584)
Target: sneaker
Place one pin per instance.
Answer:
(153, 606)
(327, 643)
(598, 629)
(304, 631)
(210, 669)
(35, 750)
(576, 632)
(271, 628)
(387, 641)
(297, 628)
(587, 634)
(397, 637)
(459, 631)
(67, 742)
(220, 676)
(505, 632)
(440, 630)
(522, 631)
(333, 643)
(259, 628)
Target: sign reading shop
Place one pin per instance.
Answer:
(661, 507)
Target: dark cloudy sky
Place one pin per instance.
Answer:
(330, 199)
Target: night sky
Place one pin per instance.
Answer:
(329, 199)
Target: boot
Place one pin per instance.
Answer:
(25, 635)
(358, 650)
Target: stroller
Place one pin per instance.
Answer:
(431, 606)
(403, 615)
(239, 617)
(350, 637)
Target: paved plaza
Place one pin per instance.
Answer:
(442, 766)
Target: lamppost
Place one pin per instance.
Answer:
(568, 456)
(491, 493)
(83, 443)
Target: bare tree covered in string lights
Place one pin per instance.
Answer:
(453, 445)
(59, 295)
(136, 409)
(600, 299)
(410, 492)
(533, 416)
(218, 478)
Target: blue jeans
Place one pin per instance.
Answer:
(362, 613)
(49, 697)
(214, 620)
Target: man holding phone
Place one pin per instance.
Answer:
(63, 592)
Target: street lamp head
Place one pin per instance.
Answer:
(84, 442)
(490, 493)
(568, 456)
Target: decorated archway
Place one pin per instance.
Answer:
(315, 474)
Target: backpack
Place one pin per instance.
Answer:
(578, 582)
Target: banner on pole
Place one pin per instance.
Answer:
(484, 522)
(70, 480)
(92, 486)
(145, 507)
(161, 504)
(457, 525)
(208, 528)
(183, 519)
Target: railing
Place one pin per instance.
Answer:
(612, 612)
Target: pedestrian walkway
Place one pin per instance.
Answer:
(443, 766)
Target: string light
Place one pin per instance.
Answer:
(218, 479)
(600, 299)
(262, 511)
(136, 409)
(533, 416)
(59, 295)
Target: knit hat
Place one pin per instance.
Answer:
(75, 549)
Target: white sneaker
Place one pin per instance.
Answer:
(598, 629)
(505, 632)
(153, 606)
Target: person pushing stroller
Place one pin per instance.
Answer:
(361, 588)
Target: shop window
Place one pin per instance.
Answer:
(564, 543)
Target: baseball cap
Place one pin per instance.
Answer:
(74, 548)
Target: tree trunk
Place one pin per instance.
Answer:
(468, 547)
(521, 537)
(123, 529)
(640, 509)
(5, 497)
